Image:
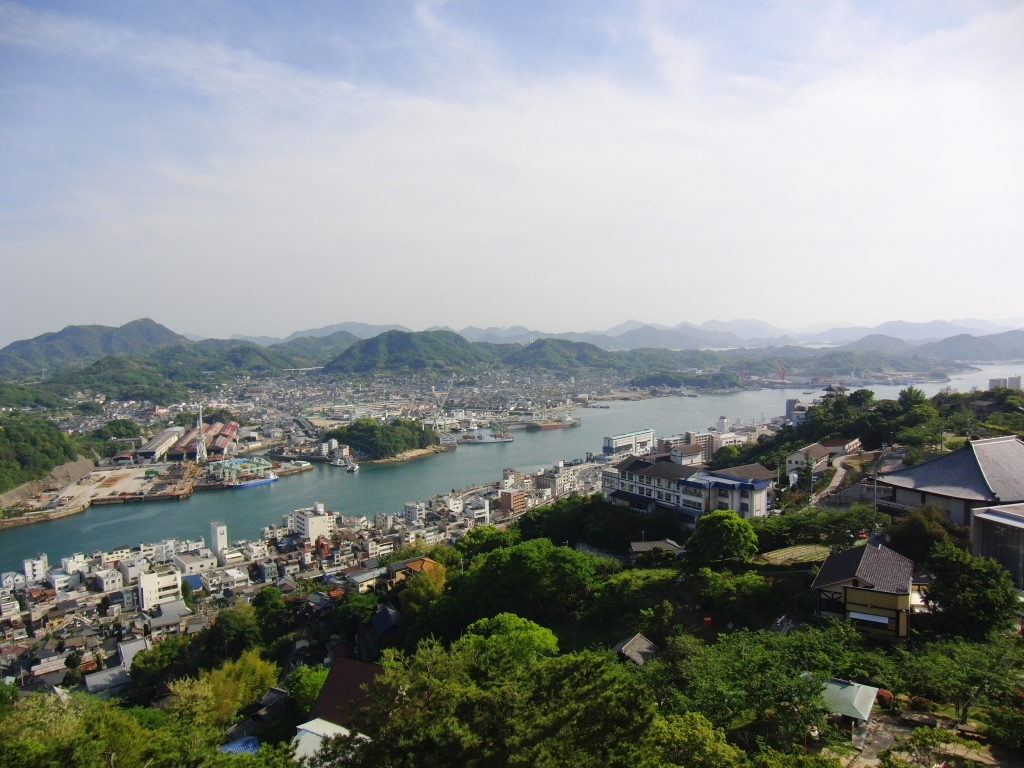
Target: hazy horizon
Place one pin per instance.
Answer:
(236, 168)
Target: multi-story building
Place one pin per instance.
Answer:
(998, 532)
(192, 564)
(132, 568)
(560, 479)
(814, 456)
(414, 512)
(268, 572)
(645, 484)
(108, 580)
(8, 604)
(512, 501)
(631, 443)
(218, 537)
(35, 569)
(161, 585)
(314, 522)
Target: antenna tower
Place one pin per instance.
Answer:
(200, 438)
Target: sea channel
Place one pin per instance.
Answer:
(384, 488)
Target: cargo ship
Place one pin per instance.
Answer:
(270, 477)
(499, 436)
(563, 422)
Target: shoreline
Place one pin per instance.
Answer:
(413, 455)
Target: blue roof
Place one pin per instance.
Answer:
(193, 581)
(246, 746)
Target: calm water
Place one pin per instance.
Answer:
(386, 488)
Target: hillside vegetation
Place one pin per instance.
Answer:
(80, 344)
(318, 349)
(29, 448)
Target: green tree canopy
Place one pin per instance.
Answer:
(722, 535)
(971, 597)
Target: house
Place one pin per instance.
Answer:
(869, 585)
(636, 547)
(385, 619)
(814, 456)
(310, 736)
(842, 446)
(343, 692)
(984, 473)
(998, 532)
(984, 407)
(112, 680)
(852, 702)
(637, 649)
(406, 569)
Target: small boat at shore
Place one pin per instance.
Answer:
(268, 478)
(352, 467)
(339, 463)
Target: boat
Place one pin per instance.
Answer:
(270, 477)
(499, 435)
(352, 467)
(484, 439)
(563, 422)
(339, 463)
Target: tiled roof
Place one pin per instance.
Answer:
(815, 450)
(343, 690)
(850, 699)
(874, 565)
(983, 470)
(647, 546)
(637, 649)
(746, 472)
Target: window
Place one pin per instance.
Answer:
(744, 494)
(723, 493)
(744, 507)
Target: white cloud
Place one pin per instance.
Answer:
(877, 177)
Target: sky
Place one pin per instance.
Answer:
(258, 168)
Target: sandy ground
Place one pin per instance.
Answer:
(60, 477)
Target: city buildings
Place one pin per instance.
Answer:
(161, 585)
(631, 443)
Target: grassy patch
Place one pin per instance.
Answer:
(802, 553)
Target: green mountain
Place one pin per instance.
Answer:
(121, 378)
(17, 396)
(562, 355)
(319, 349)
(436, 351)
(998, 346)
(79, 345)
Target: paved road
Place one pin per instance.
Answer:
(836, 479)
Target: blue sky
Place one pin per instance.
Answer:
(564, 166)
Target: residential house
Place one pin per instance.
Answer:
(842, 446)
(814, 456)
(667, 545)
(637, 649)
(871, 586)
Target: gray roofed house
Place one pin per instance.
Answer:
(982, 473)
(385, 619)
(871, 586)
(637, 649)
(648, 546)
(746, 472)
(108, 682)
(848, 699)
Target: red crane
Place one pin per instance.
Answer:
(743, 372)
(782, 372)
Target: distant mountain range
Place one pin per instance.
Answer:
(81, 344)
(145, 360)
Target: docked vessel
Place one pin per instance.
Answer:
(498, 435)
(339, 463)
(269, 477)
(562, 422)
(352, 467)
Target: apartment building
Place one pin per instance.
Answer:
(161, 585)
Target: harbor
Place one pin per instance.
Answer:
(387, 487)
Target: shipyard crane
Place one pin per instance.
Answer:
(782, 372)
(743, 373)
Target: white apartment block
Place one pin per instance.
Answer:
(8, 604)
(161, 585)
(191, 564)
(218, 537)
(414, 512)
(35, 570)
(631, 443)
(108, 580)
(255, 550)
(77, 563)
(132, 569)
(314, 522)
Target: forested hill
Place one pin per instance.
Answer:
(418, 351)
(82, 344)
(320, 349)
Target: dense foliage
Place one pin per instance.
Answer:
(18, 396)
(383, 441)
(29, 448)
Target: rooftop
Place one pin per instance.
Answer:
(983, 470)
(874, 565)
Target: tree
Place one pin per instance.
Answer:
(238, 683)
(270, 611)
(971, 597)
(861, 398)
(421, 590)
(917, 532)
(233, 631)
(923, 748)
(722, 535)
(687, 741)
(486, 538)
(303, 686)
(726, 456)
(910, 397)
(188, 595)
